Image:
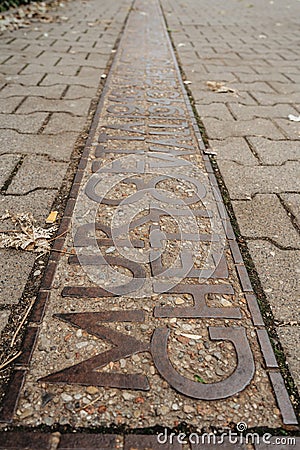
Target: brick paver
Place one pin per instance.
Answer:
(252, 47)
(269, 152)
(155, 373)
(255, 220)
(9, 162)
(49, 75)
(23, 123)
(57, 147)
(15, 268)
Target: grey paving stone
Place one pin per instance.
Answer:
(295, 77)
(285, 88)
(45, 69)
(98, 58)
(72, 55)
(274, 99)
(292, 201)
(27, 43)
(37, 172)
(57, 147)
(29, 123)
(242, 183)
(275, 152)
(74, 92)
(11, 69)
(217, 110)
(290, 339)
(229, 68)
(8, 105)
(258, 86)
(98, 49)
(264, 216)
(291, 129)
(4, 58)
(60, 122)
(7, 165)
(270, 77)
(81, 80)
(242, 112)
(77, 107)
(38, 203)
(25, 80)
(279, 274)
(3, 319)
(61, 46)
(234, 149)
(249, 61)
(15, 267)
(38, 91)
(43, 59)
(199, 78)
(77, 59)
(221, 129)
(206, 97)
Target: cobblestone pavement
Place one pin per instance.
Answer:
(252, 47)
(51, 73)
(49, 77)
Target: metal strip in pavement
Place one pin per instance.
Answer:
(194, 358)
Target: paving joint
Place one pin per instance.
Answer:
(85, 320)
(261, 297)
(247, 259)
(11, 177)
(290, 214)
(34, 284)
(45, 123)
(272, 241)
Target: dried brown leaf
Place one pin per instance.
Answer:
(27, 235)
(220, 88)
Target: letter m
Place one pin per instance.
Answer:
(87, 372)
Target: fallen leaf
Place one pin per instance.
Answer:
(294, 118)
(26, 235)
(220, 87)
(22, 16)
(52, 217)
